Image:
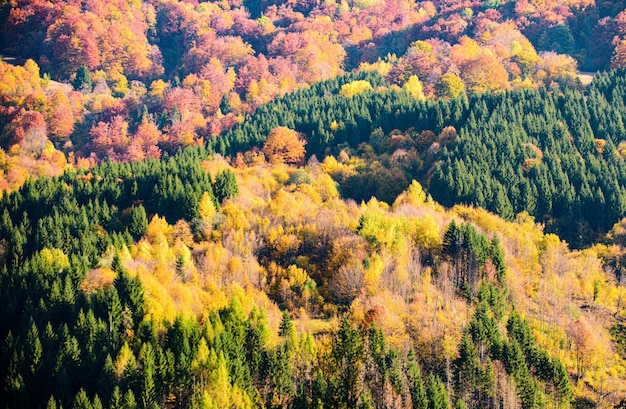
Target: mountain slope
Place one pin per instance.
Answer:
(492, 308)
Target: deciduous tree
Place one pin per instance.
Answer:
(284, 145)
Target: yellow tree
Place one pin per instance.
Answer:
(484, 74)
(449, 86)
(284, 145)
(355, 87)
(414, 87)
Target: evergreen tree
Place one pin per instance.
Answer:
(148, 390)
(459, 404)
(436, 393)
(497, 258)
(287, 331)
(52, 403)
(138, 222)
(81, 401)
(530, 395)
(225, 104)
(348, 353)
(562, 384)
(416, 383)
(225, 186)
(97, 403)
(280, 378)
(129, 290)
(82, 80)
(513, 358)
(129, 400)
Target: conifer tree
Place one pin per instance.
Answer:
(148, 390)
(138, 222)
(348, 353)
(416, 383)
(225, 186)
(82, 80)
(436, 393)
(562, 383)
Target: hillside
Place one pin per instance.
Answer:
(190, 70)
(556, 155)
(312, 204)
(498, 311)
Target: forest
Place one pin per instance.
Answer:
(189, 315)
(312, 204)
(557, 155)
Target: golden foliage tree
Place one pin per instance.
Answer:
(284, 145)
(414, 87)
(355, 87)
(449, 86)
(484, 74)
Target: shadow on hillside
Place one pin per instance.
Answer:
(370, 51)
(398, 42)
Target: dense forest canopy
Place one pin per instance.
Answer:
(556, 155)
(312, 204)
(114, 306)
(129, 80)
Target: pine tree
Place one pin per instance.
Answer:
(528, 387)
(348, 353)
(129, 400)
(97, 403)
(416, 383)
(81, 401)
(114, 316)
(280, 378)
(562, 384)
(34, 348)
(459, 404)
(52, 403)
(180, 267)
(497, 258)
(129, 290)
(286, 328)
(82, 80)
(469, 370)
(436, 393)
(138, 222)
(225, 104)
(513, 357)
(146, 359)
(225, 186)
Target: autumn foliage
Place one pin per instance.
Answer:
(163, 244)
(284, 145)
(197, 69)
(498, 308)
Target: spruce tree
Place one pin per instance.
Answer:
(148, 392)
(416, 383)
(82, 80)
(225, 186)
(562, 384)
(138, 222)
(436, 393)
